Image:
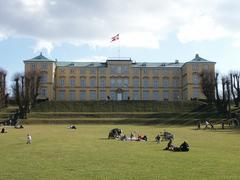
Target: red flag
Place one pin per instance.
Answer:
(115, 38)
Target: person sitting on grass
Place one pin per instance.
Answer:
(169, 145)
(3, 130)
(158, 138)
(184, 147)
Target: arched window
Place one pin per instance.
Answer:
(155, 83)
(92, 82)
(83, 82)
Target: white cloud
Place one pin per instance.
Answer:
(91, 59)
(140, 23)
(43, 45)
(2, 36)
(201, 29)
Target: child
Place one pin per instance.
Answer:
(29, 139)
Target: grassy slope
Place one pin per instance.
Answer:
(117, 106)
(59, 153)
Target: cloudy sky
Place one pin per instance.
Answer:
(150, 30)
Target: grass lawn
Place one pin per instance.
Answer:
(61, 153)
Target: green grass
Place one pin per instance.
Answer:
(60, 153)
(120, 106)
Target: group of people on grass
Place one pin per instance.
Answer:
(117, 133)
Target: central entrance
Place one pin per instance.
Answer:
(119, 93)
(119, 96)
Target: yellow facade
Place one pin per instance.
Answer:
(117, 79)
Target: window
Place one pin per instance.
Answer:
(165, 95)
(176, 95)
(119, 83)
(175, 82)
(145, 71)
(136, 82)
(92, 82)
(145, 82)
(175, 72)
(93, 95)
(82, 95)
(135, 71)
(72, 71)
(184, 80)
(155, 71)
(102, 70)
(44, 66)
(165, 82)
(61, 70)
(195, 93)
(145, 95)
(93, 71)
(72, 82)
(82, 71)
(61, 83)
(112, 82)
(113, 69)
(116, 69)
(102, 82)
(102, 95)
(83, 82)
(61, 95)
(125, 82)
(72, 95)
(33, 67)
(195, 67)
(195, 78)
(43, 78)
(136, 95)
(43, 92)
(206, 67)
(155, 83)
(124, 69)
(119, 69)
(156, 95)
(113, 95)
(125, 95)
(165, 72)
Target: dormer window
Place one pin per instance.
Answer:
(71, 64)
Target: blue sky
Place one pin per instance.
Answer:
(153, 30)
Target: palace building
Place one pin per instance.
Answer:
(119, 79)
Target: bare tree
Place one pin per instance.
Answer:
(3, 95)
(235, 85)
(26, 89)
(207, 82)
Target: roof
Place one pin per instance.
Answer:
(80, 64)
(39, 58)
(200, 59)
(103, 64)
(163, 64)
